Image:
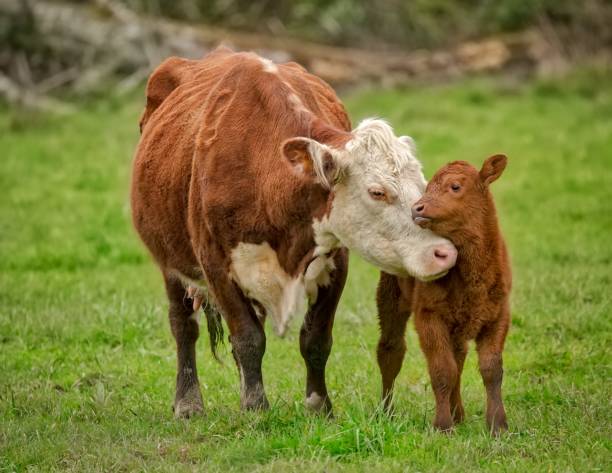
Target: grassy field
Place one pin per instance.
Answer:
(87, 361)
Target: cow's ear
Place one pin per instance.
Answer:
(409, 141)
(492, 168)
(311, 159)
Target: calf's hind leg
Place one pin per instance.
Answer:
(490, 344)
(185, 329)
(460, 352)
(393, 312)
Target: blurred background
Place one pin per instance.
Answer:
(49, 47)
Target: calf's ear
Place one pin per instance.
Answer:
(492, 168)
(311, 160)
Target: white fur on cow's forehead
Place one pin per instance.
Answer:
(374, 138)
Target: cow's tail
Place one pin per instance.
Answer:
(215, 329)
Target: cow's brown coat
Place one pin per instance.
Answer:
(209, 174)
(471, 302)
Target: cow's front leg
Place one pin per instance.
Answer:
(246, 336)
(187, 399)
(316, 336)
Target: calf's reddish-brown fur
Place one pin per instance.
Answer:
(470, 303)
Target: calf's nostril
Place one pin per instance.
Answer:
(417, 210)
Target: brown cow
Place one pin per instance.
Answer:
(248, 186)
(471, 302)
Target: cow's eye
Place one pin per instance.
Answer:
(377, 194)
(455, 187)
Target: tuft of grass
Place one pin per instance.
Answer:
(87, 359)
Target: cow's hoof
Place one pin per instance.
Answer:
(255, 403)
(261, 405)
(189, 405)
(319, 404)
(254, 398)
(184, 410)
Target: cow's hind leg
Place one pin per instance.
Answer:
(247, 335)
(393, 313)
(316, 336)
(248, 346)
(184, 325)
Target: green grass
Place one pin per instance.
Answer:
(87, 360)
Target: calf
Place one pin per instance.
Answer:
(248, 188)
(471, 302)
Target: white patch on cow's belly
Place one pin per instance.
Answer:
(255, 268)
(318, 274)
(257, 271)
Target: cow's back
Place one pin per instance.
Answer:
(212, 128)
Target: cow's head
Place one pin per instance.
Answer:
(374, 178)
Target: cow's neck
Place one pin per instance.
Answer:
(295, 210)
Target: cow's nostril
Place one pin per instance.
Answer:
(440, 254)
(444, 256)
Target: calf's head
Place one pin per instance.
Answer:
(374, 179)
(457, 199)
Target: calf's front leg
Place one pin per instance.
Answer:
(316, 336)
(436, 345)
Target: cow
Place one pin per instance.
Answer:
(470, 302)
(248, 189)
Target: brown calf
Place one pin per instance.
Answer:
(471, 302)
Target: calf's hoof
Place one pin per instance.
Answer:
(443, 425)
(458, 415)
(319, 404)
(497, 427)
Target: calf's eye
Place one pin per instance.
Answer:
(377, 194)
(455, 187)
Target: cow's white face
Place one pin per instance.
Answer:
(375, 179)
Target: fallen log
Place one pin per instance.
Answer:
(85, 46)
